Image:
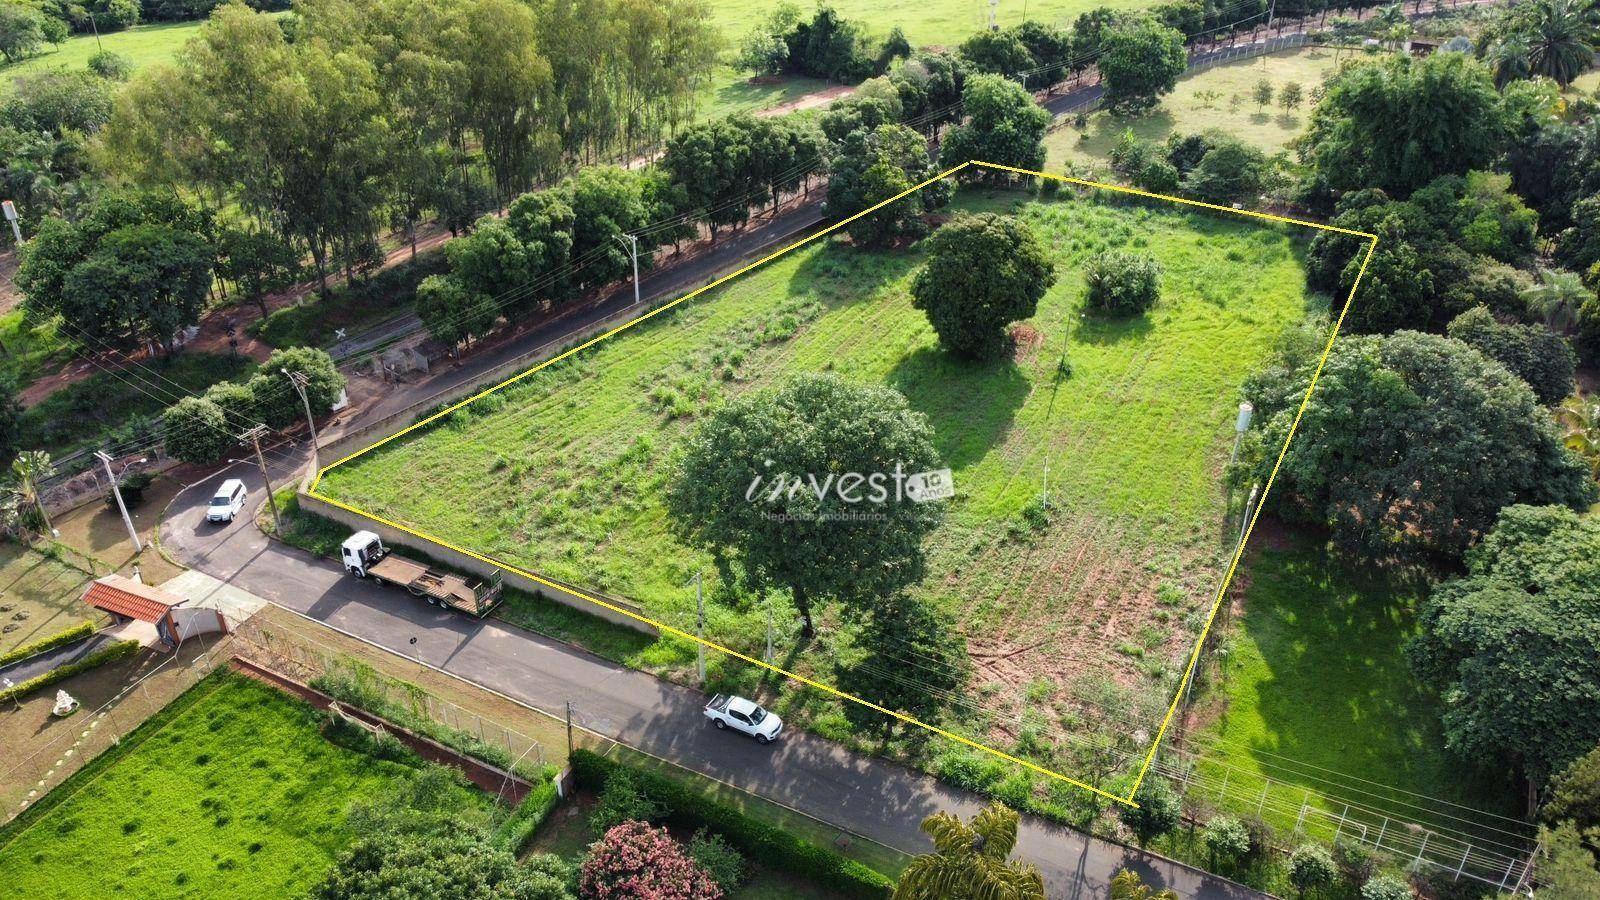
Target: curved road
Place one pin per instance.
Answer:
(872, 797)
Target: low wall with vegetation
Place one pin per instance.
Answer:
(98, 658)
(71, 635)
(768, 844)
(455, 559)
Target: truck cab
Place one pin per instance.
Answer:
(361, 551)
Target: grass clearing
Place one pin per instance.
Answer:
(141, 45)
(234, 794)
(39, 596)
(1314, 671)
(1219, 98)
(562, 473)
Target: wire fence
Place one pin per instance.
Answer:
(304, 658)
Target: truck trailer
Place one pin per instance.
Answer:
(366, 556)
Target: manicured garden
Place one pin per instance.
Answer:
(563, 472)
(231, 791)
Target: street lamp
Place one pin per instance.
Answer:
(116, 491)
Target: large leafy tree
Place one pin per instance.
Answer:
(1004, 125)
(899, 632)
(445, 859)
(1399, 122)
(1140, 59)
(930, 84)
(1514, 646)
(452, 313)
(1411, 444)
(984, 272)
(1533, 353)
(872, 166)
(744, 488)
(971, 859)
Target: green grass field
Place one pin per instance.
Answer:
(38, 597)
(1316, 694)
(141, 45)
(1217, 98)
(236, 795)
(563, 472)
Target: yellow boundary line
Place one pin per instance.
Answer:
(909, 720)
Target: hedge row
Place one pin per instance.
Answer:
(75, 633)
(515, 832)
(98, 658)
(766, 843)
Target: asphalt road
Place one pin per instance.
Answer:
(878, 799)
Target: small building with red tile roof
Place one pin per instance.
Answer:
(128, 600)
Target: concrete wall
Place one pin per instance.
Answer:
(472, 565)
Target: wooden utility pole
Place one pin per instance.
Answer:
(254, 437)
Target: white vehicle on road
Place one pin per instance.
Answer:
(227, 502)
(728, 711)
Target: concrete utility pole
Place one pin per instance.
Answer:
(700, 626)
(300, 380)
(635, 244)
(254, 437)
(116, 491)
(569, 727)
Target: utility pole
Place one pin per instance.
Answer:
(96, 26)
(1272, 8)
(116, 491)
(569, 727)
(1244, 521)
(254, 437)
(700, 626)
(1046, 497)
(635, 243)
(768, 657)
(300, 380)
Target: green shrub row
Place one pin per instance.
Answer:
(75, 633)
(98, 658)
(515, 832)
(766, 843)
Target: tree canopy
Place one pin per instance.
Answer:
(1004, 125)
(983, 272)
(1140, 59)
(444, 859)
(971, 859)
(773, 484)
(1514, 646)
(1382, 453)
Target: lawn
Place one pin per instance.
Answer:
(38, 596)
(1314, 671)
(141, 45)
(232, 793)
(1218, 98)
(563, 472)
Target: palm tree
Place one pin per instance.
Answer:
(970, 861)
(1560, 35)
(27, 470)
(1127, 885)
(1557, 297)
(1580, 417)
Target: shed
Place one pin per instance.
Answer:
(128, 600)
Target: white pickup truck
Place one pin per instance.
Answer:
(727, 711)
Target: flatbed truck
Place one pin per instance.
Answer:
(366, 556)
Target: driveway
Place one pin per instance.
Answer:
(878, 799)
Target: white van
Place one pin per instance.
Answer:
(227, 502)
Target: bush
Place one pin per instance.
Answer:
(1354, 861)
(1226, 841)
(1532, 352)
(772, 845)
(1385, 887)
(196, 431)
(110, 66)
(518, 829)
(75, 633)
(1121, 283)
(724, 864)
(636, 862)
(133, 488)
(622, 801)
(94, 660)
(1310, 868)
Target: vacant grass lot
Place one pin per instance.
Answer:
(1316, 694)
(563, 472)
(1219, 98)
(38, 597)
(237, 795)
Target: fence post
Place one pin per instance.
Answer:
(1222, 795)
(1303, 805)
(1512, 864)
(1339, 829)
(1381, 829)
(1417, 863)
(1262, 803)
(1461, 866)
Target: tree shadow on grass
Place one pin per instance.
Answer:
(840, 274)
(970, 405)
(1339, 692)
